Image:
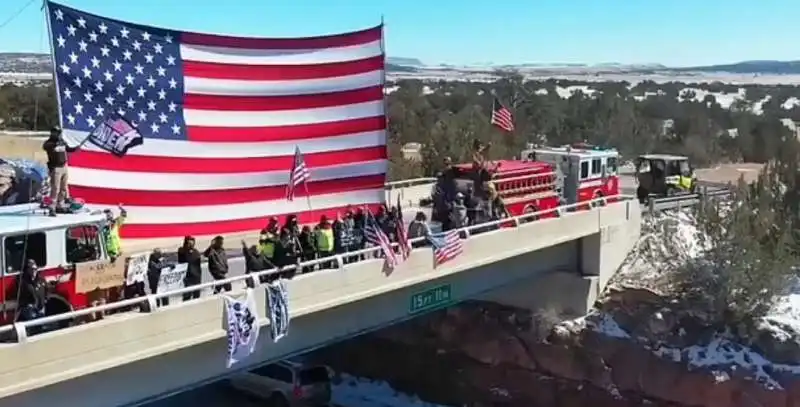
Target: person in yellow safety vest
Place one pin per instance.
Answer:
(324, 239)
(269, 239)
(113, 225)
(266, 245)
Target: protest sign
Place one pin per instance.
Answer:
(137, 268)
(172, 278)
(98, 274)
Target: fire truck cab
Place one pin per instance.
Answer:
(588, 172)
(56, 244)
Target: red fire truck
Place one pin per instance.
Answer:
(588, 171)
(56, 244)
(524, 186)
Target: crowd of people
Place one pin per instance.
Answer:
(464, 198)
(280, 245)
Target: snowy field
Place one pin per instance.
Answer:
(720, 355)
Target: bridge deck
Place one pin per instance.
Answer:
(183, 343)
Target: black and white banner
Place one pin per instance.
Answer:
(278, 307)
(171, 278)
(241, 327)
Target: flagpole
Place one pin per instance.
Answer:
(385, 105)
(308, 196)
(46, 8)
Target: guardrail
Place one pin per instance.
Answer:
(680, 201)
(151, 300)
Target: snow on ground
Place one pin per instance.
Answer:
(721, 356)
(647, 265)
(353, 391)
(668, 238)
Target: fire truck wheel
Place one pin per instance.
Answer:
(57, 305)
(530, 209)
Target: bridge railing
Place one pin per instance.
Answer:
(679, 201)
(151, 300)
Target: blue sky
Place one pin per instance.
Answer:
(673, 32)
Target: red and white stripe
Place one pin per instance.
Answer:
(451, 249)
(502, 117)
(249, 103)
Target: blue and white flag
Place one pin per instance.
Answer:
(241, 326)
(278, 304)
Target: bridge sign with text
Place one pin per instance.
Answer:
(433, 298)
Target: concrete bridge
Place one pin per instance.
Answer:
(130, 358)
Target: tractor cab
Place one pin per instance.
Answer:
(664, 175)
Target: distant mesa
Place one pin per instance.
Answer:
(30, 63)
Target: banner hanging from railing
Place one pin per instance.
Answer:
(241, 326)
(278, 307)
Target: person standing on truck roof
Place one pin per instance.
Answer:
(189, 254)
(57, 151)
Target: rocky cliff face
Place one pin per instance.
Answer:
(485, 354)
(636, 348)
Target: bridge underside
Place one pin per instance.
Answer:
(526, 280)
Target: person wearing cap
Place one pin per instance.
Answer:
(324, 239)
(269, 239)
(57, 151)
(189, 254)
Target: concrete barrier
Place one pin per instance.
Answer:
(127, 338)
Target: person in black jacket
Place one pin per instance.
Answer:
(308, 247)
(255, 261)
(155, 264)
(218, 263)
(194, 273)
(32, 293)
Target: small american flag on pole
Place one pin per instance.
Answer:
(446, 246)
(298, 175)
(402, 233)
(502, 117)
(375, 235)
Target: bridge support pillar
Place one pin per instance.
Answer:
(601, 254)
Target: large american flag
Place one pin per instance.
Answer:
(446, 246)
(501, 116)
(299, 174)
(220, 118)
(374, 234)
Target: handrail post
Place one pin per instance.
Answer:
(651, 205)
(339, 261)
(152, 303)
(22, 332)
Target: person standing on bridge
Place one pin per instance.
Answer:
(112, 229)
(57, 151)
(189, 254)
(218, 263)
(32, 290)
